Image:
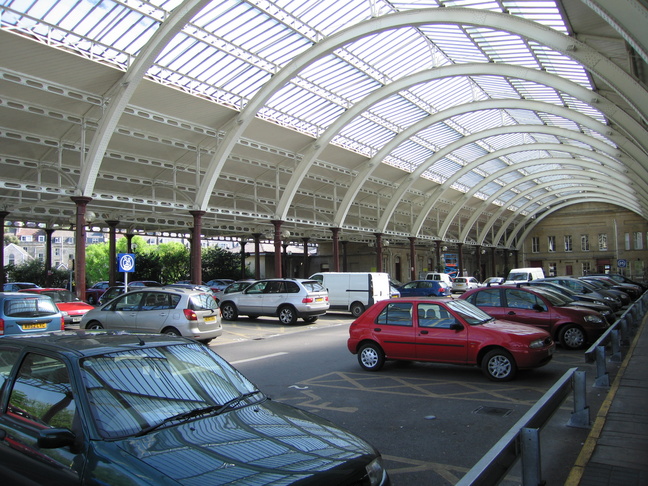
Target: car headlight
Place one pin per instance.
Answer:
(375, 471)
(537, 344)
(598, 302)
(594, 319)
(611, 299)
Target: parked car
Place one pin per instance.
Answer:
(461, 284)
(519, 275)
(93, 293)
(238, 286)
(394, 293)
(116, 408)
(144, 283)
(111, 293)
(582, 287)
(446, 331)
(170, 310)
(16, 286)
(622, 279)
(425, 288)
(571, 326)
(24, 313)
(444, 277)
(202, 288)
(601, 285)
(219, 284)
(72, 308)
(576, 299)
(634, 291)
(493, 281)
(288, 299)
(354, 291)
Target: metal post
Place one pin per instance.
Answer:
(616, 347)
(580, 417)
(530, 444)
(602, 377)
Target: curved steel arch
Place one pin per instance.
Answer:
(123, 90)
(528, 229)
(621, 82)
(609, 199)
(315, 148)
(556, 131)
(458, 206)
(555, 192)
(614, 113)
(574, 181)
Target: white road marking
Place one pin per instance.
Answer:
(258, 357)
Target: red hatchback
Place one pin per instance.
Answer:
(446, 330)
(570, 325)
(72, 308)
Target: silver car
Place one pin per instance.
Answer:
(286, 298)
(174, 311)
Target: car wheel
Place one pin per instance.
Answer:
(357, 309)
(94, 325)
(287, 315)
(498, 365)
(204, 341)
(572, 337)
(171, 331)
(92, 300)
(371, 357)
(310, 319)
(229, 312)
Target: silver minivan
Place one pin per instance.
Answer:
(166, 310)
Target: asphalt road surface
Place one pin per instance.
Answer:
(431, 422)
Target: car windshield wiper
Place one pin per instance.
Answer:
(211, 410)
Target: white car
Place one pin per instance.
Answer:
(166, 310)
(286, 298)
(462, 284)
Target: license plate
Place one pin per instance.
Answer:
(27, 327)
(76, 319)
(319, 299)
(210, 319)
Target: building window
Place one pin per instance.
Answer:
(552, 270)
(568, 243)
(586, 268)
(551, 242)
(26, 238)
(535, 244)
(41, 238)
(57, 239)
(627, 241)
(57, 252)
(585, 243)
(41, 257)
(637, 236)
(602, 242)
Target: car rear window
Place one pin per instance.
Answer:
(313, 286)
(29, 307)
(202, 302)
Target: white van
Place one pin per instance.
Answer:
(354, 291)
(523, 275)
(444, 277)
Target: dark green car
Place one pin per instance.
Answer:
(112, 408)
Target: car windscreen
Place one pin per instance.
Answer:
(35, 306)
(313, 286)
(469, 312)
(132, 390)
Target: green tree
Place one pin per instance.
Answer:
(220, 263)
(34, 271)
(174, 261)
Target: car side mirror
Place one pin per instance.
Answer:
(538, 307)
(456, 326)
(55, 438)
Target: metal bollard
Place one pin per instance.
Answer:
(530, 444)
(580, 417)
(623, 327)
(602, 378)
(616, 347)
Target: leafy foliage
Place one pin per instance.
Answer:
(34, 271)
(220, 263)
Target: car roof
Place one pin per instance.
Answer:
(82, 343)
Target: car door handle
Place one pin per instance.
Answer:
(377, 329)
(511, 313)
(424, 332)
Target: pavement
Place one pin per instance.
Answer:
(616, 450)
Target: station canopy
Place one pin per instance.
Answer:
(466, 121)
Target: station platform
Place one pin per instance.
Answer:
(616, 450)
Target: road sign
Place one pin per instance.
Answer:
(126, 262)
(622, 263)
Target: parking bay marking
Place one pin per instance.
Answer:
(274, 355)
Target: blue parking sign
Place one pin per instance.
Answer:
(622, 263)
(126, 262)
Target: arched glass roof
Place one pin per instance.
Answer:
(419, 118)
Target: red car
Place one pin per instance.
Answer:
(570, 325)
(444, 330)
(68, 303)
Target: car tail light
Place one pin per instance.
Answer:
(190, 315)
(1, 327)
(308, 300)
(62, 324)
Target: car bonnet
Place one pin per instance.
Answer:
(258, 444)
